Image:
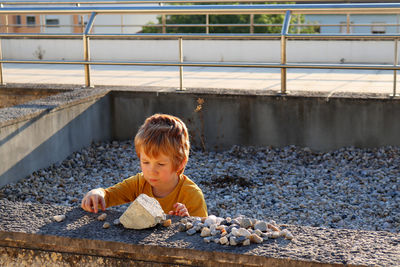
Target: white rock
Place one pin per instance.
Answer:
(59, 218)
(106, 225)
(144, 212)
(223, 240)
(286, 234)
(246, 242)
(205, 232)
(261, 225)
(210, 220)
(235, 231)
(258, 232)
(232, 241)
(243, 232)
(116, 222)
(102, 217)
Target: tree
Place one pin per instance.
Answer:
(228, 19)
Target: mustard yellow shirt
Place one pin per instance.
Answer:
(186, 192)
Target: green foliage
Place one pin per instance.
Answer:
(228, 19)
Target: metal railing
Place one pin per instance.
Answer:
(286, 9)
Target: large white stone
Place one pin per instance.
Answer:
(144, 212)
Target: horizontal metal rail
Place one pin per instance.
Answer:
(122, 2)
(211, 64)
(377, 8)
(288, 10)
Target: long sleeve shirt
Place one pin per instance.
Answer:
(186, 192)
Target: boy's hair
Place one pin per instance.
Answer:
(165, 134)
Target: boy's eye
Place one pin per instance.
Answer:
(161, 164)
(145, 162)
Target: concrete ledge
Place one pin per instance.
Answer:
(28, 234)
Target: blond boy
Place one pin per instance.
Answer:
(162, 145)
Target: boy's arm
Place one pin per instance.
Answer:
(123, 192)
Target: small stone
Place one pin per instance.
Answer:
(274, 234)
(199, 226)
(116, 222)
(246, 242)
(189, 225)
(216, 240)
(235, 221)
(255, 239)
(232, 241)
(59, 218)
(205, 232)
(215, 232)
(207, 239)
(106, 225)
(235, 231)
(261, 225)
(336, 218)
(243, 232)
(191, 231)
(258, 232)
(167, 223)
(273, 227)
(213, 227)
(102, 217)
(223, 240)
(286, 234)
(240, 239)
(246, 223)
(212, 219)
(181, 227)
(223, 232)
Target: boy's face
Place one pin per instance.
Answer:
(159, 171)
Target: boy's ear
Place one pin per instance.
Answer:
(182, 165)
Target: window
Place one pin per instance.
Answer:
(52, 22)
(18, 19)
(378, 28)
(30, 20)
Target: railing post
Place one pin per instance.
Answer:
(396, 57)
(347, 23)
(284, 32)
(251, 23)
(180, 67)
(164, 22)
(207, 24)
(86, 49)
(1, 65)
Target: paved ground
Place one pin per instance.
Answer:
(330, 82)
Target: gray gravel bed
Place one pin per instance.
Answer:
(348, 188)
(38, 106)
(315, 244)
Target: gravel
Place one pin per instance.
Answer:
(348, 188)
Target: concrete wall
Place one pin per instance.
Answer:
(373, 52)
(226, 120)
(216, 122)
(37, 142)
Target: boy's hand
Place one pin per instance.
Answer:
(93, 199)
(179, 210)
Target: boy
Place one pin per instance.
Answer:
(162, 145)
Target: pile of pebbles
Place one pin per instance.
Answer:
(347, 188)
(238, 231)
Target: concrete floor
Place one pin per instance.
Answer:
(327, 81)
